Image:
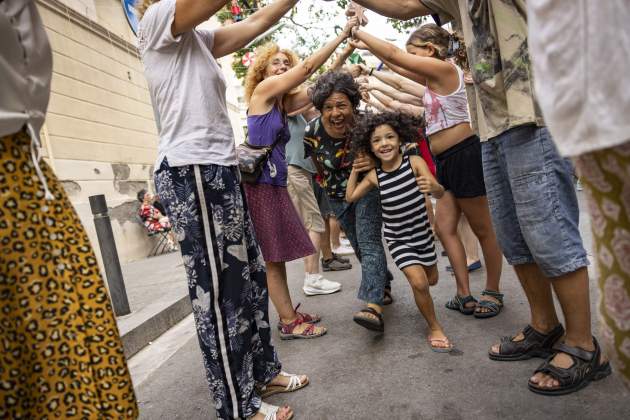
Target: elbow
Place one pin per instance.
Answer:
(349, 198)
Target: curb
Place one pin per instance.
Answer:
(140, 328)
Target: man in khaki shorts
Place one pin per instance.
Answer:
(300, 187)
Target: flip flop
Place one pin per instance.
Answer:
(438, 349)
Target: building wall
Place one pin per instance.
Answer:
(100, 134)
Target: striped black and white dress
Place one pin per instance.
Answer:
(406, 226)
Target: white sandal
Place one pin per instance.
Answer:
(294, 384)
(271, 411)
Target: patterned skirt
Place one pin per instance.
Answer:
(61, 354)
(279, 229)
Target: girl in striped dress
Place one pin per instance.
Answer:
(403, 182)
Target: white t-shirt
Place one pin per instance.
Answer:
(25, 68)
(581, 55)
(187, 90)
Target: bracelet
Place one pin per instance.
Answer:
(371, 71)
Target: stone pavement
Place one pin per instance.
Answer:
(358, 374)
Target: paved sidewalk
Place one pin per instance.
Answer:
(357, 374)
(158, 297)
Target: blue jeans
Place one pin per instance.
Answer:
(532, 201)
(362, 222)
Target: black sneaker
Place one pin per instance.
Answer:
(340, 258)
(335, 265)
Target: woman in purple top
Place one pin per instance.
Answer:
(270, 89)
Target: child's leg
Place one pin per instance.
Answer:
(419, 281)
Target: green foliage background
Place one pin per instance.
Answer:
(307, 37)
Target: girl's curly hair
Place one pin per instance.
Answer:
(407, 128)
(256, 72)
(331, 82)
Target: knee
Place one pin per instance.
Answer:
(420, 285)
(433, 278)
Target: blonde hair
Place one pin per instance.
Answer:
(256, 72)
(141, 6)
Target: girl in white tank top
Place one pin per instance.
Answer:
(458, 153)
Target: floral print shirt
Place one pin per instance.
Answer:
(334, 158)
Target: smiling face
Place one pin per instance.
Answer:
(385, 143)
(337, 115)
(278, 64)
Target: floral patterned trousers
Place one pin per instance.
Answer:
(226, 282)
(606, 176)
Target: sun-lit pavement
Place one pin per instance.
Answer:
(357, 374)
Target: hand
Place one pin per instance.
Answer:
(365, 96)
(355, 70)
(426, 184)
(364, 69)
(363, 163)
(352, 23)
(359, 45)
(362, 80)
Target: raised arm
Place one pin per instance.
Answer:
(421, 68)
(399, 83)
(190, 13)
(413, 110)
(394, 93)
(397, 9)
(231, 38)
(342, 57)
(274, 86)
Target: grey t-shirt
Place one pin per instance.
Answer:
(295, 146)
(187, 90)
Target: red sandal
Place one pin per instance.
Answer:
(287, 331)
(307, 318)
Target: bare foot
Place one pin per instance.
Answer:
(439, 340)
(563, 361)
(483, 310)
(283, 413)
(518, 337)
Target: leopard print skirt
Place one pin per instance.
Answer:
(60, 350)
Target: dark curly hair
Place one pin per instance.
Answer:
(407, 128)
(331, 82)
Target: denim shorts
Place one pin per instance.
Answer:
(532, 200)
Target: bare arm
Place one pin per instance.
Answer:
(424, 178)
(398, 9)
(414, 111)
(274, 86)
(342, 57)
(378, 105)
(355, 190)
(421, 68)
(400, 83)
(190, 13)
(231, 38)
(394, 93)
(401, 71)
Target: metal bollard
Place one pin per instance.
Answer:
(110, 255)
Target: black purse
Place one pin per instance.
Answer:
(252, 159)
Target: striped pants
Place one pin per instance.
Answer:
(226, 282)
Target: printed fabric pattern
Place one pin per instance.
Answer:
(605, 175)
(226, 282)
(60, 350)
(333, 155)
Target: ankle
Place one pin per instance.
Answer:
(377, 308)
(544, 327)
(289, 320)
(582, 342)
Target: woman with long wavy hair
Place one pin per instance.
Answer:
(270, 89)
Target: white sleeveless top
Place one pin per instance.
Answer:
(445, 111)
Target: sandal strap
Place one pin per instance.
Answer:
(578, 352)
(493, 306)
(270, 411)
(372, 311)
(497, 295)
(294, 381)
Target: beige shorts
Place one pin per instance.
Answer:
(303, 198)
